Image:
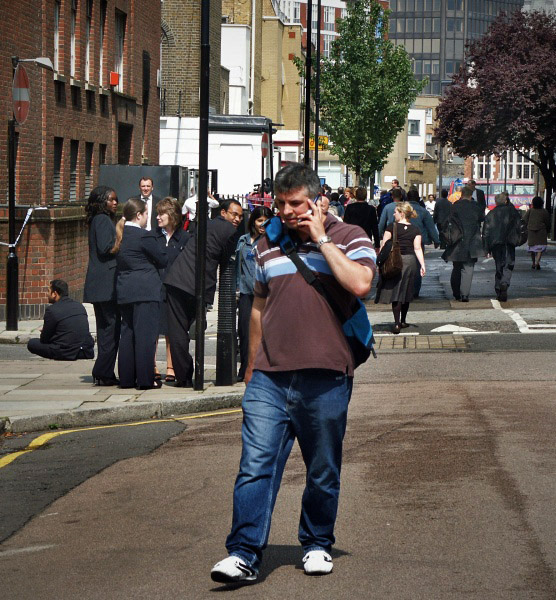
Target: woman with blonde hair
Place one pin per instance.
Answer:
(399, 290)
(172, 239)
(138, 291)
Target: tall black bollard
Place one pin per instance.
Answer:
(226, 338)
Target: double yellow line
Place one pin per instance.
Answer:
(46, 437)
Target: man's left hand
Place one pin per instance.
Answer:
(313, 223)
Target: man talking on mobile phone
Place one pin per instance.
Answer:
(299, 377)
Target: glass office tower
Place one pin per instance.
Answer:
(434, 32)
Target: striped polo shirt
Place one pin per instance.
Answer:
(299, 328)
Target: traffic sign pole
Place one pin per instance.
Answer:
(12, 276)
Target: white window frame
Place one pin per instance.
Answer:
(410, 127)
(102, 30)
(88, 28)
(119, 41)
(57, 8)
(73, 26)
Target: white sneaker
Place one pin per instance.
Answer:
(232, 570)
(317, 562)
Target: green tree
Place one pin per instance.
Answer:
(366, 89)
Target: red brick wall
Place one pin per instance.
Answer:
(55, 241)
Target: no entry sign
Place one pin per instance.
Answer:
(264, 145)
(20, 94)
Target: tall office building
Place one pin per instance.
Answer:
(434, 32)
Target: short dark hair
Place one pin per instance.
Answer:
(444, 193)
(537, 202)
(295, 176)
(334, 197)
(361, 193)
(413, 195)
(258, 211)
(225, 205)
(396, 194)
(466, 192)
(145, 178)
(60, 287)
(472, 182)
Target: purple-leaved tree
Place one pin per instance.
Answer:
(504, 96)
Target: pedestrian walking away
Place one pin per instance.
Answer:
(399, 291)
(464, 253)
(363, 214)
(441, 213)
(299, 377)
(100, 281)
(537, 219)
(501, 233)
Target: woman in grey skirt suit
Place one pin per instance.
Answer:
(399, 290)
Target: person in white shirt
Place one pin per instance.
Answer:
(146, 187)
(430, 203)
(190, 205)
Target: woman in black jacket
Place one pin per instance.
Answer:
(173, 238)
(138, 289)
(100, 281)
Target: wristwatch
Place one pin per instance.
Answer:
(324, 240)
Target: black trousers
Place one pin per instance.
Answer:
(35, 346)
(138, 343)
(108, 319)
(462, 276)
(504, 259)
(244, 316)
(181, 313)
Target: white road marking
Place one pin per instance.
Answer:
(520, 321)
(6, 553)
(452, 329)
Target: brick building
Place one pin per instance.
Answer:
(181, 58)
(99, 106)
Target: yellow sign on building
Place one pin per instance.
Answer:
(323, 142)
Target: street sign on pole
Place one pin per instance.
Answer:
(264, 145)
(20, 94)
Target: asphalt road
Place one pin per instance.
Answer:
(448, 491)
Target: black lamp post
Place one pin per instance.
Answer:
(308, 45)
(317, 90)
(202, 207)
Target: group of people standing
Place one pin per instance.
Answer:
(129, 259)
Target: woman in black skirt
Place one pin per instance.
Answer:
(173, 238)
(399, 290)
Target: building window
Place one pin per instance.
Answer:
(102, 154)
(56, 36)
(74, 155)
(327, 45)
(297, 12)
(413, 127)
(73, 28)
(119, 50)
(89, 147)
(88, 27)
(56, 178)
(428, 116)
(329, 18)
(101, 41)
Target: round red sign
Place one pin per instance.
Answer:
(20, 95)
(264, 145)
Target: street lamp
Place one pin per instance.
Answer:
(12, 275)
(308, 44)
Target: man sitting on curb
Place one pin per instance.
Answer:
(65, 334)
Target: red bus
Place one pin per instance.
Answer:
(521, 191)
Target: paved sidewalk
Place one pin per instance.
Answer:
(40, 394)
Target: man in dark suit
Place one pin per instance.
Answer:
(146, 187)
(441, 213)
(65, 334)
(478, 195)
(180, 284)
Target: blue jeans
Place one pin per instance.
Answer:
(278, 407)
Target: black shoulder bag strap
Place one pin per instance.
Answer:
(289, 249)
